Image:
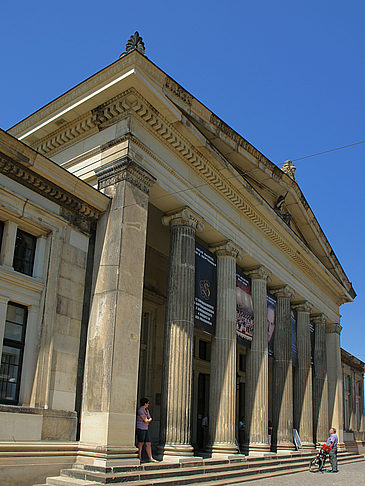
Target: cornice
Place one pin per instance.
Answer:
(47, 189)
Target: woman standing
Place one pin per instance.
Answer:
(143, 435)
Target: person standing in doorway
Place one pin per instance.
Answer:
(143, 436)
(332, 442)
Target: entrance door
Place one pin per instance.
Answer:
(203, 410)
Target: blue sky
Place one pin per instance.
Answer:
(288, 76)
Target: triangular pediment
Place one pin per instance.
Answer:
(119, 88)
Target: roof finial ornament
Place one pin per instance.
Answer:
(289, 169)
(135, 42)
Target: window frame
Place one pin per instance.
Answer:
(17, 345)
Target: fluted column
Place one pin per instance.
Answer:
(335, 383)
(283, 372)
(257, 367)
(303, 406)
(222, 401)
(179, 334)
(320, 381)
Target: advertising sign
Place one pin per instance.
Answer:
(244, 309)
(205, 302)
(271, 309)
(312, 330)
(294, 351)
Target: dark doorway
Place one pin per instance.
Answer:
(203, 410)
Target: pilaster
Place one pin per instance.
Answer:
(112, 353)
(335, 381)
(8, 244)
(320, 380)
(283, 372)
(222, 402)
(179, 333)
(303, 405)
(3, 310)
(257, 366)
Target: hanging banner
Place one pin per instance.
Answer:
(205, 302)
(271, 309)
(244, 309)
(312, 330)
(294, 351)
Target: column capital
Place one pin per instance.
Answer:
(333, 328)
(259, 273)
(303, 307)
(124, 169)
(226, 248)
(183, 217)
(319, 318)
(284, 291)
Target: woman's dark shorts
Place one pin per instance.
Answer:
(143, 436)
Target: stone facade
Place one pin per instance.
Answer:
(110, 303)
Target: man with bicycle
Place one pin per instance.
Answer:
(332, 442)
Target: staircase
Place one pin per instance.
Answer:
(235, 469)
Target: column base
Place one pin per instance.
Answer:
(104, 458)
(258, 448)
(220, 449)
(284, 447)
(175, 452)
(308, 446)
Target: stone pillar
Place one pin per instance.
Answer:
(39, 257)
(40, 396)
(3, 310)
(8, 244)
(361, 405)
(320, 381)
(222, 400)
(303, 405)
(282, 399)
(179, 334)
(257, 399)
(335, 381)
(112, 354)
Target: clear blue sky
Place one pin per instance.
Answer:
(288, 76)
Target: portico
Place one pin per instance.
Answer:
(190, 197)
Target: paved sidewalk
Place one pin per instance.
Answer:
(348, 475)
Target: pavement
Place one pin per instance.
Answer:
(352, 474)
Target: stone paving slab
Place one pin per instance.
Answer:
(349, 474)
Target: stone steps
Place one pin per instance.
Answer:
(202, 471)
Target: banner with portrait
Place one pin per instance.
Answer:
(312, 330)
(205, 301)
(271, 310)
(244, 310)
(294, 351)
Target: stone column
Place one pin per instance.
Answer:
(320, 381)
(282, 399)
(112, 353)
(303, 406)
(361, 405)
(179, 333)
(222, 400)
(8, 244)
(257, 399)
(335, 381)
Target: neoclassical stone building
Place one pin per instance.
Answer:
(158, 253)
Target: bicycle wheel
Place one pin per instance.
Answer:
(315, 464)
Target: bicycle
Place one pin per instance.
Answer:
(318, 462)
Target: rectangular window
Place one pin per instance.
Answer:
(12, 353)
(24, 252)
